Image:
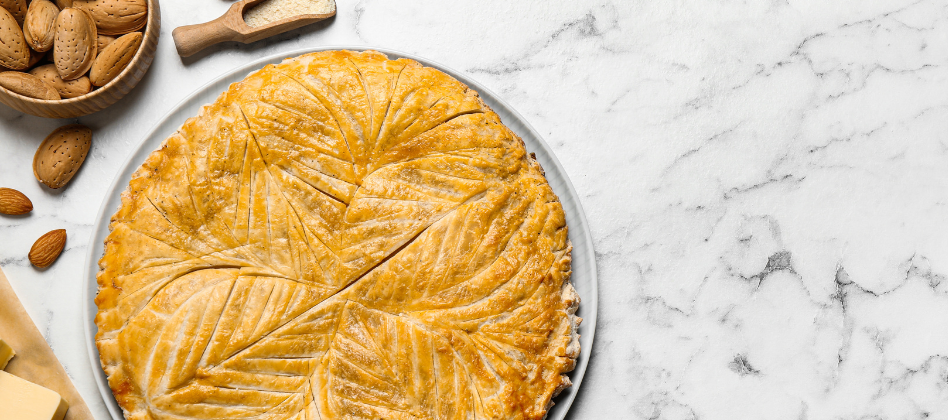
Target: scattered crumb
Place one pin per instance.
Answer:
(274, 10)
(742, 367)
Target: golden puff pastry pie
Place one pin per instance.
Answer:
(340, 236)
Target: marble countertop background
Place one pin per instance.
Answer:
(766, 182)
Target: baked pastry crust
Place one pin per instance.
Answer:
(338, 236)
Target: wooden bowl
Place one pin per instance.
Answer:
(104, 96)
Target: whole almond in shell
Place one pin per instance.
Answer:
(103, 41)
(74, 47)
(39, 27)
(116, 17)
(66, 88)
(47, 248)
(110, 62)
(35, 57)
(14, 202)
(61, 154)
(28, 85)
(14, 53)
(16, 7)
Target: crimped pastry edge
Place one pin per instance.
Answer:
(571, 300)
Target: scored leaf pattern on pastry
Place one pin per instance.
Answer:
(338, 236)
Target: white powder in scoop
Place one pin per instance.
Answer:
(274, 10)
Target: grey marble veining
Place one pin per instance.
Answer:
(766, 181)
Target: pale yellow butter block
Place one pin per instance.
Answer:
(6, 353)
(23, 400)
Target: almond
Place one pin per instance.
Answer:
(66, 88)
(103, 41)
(110, 62)
(39, 28)
(35, 57)
(14, 53)
(47, 248)
(74, 48)
(28, 85)
(16, 7)
(116, 17)
(61, 154)
(62, 4)
(14, 202)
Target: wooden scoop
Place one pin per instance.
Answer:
(231, 27)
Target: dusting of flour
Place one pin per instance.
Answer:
(273, 10)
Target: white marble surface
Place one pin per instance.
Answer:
(767, 184)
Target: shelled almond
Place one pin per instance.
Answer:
(14, 202)
(80, 39)
(47, 248)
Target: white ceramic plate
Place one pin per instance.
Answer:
(584, 263)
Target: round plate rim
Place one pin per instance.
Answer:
(588, 307)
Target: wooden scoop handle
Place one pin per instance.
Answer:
(231, 27)
(193, 38)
